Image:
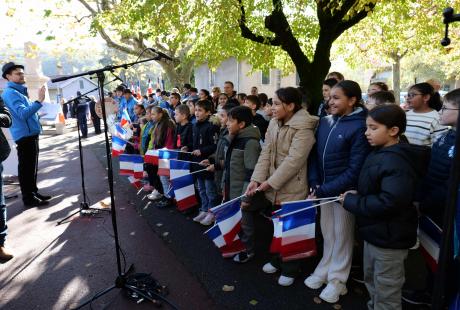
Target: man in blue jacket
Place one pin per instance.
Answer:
(25, 130)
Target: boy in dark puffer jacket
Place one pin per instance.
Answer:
(383, 205)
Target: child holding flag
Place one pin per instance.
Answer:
(340, 153)
(383, 204)
(162, 137)
(281, 170)
(240, 160)
(204, 144)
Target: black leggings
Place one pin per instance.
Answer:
(154, 179)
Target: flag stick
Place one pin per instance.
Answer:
(313, 206)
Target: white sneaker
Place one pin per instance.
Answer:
(269, 268)
(200, 216)
(208, 220)
(333, 291)
(285, 281)
(313, 282)
(155, 195)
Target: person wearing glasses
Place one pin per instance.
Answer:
(433, 193)
(25, 130)
(423, 126)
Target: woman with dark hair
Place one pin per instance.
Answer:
(423, 127)
(341, 149)
(281, 170)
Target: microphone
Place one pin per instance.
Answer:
(446, 40)
(160, 53)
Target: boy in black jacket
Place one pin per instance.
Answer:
(204, 144)
(184, 129)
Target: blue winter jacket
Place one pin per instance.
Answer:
(340, 150)
(127, 105)
(23, 111)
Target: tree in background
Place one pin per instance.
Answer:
(395, 30)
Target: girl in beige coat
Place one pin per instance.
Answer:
(281, 171)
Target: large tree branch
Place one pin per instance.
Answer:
(346, 24)
(88, 7)
(249, 34)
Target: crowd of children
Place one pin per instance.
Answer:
(371, 153)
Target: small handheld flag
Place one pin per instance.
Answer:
(429, 235)
(118, 146)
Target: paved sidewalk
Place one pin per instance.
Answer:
(57, 267)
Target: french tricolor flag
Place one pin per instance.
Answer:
(429, 235)
(135, 182)
(132, 164)
(125, 119)
(228, 249)
(275, 246)
(298, 231)
(182, 184)
(164, 156)
(228, 218)
(118, 146)
(151, 157)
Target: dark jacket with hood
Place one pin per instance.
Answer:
(384, 209)
(340, 150)
(240, 160)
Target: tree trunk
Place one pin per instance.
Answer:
(396, 70)
(176, 76)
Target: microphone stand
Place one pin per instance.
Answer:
(446, 252)
(84, 208)
(142, 289)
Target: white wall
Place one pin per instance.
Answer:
(70, 90)
(231, 70)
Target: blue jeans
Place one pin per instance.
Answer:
(208, 193)
(3, 226)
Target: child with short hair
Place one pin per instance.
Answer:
(240, 160)
(383, 204)
(184, 128)
(253, 102)
(204, 144)
(380, 98)
(216, 160)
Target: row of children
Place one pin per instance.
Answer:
(360, 154)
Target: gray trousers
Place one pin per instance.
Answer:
(384, 276)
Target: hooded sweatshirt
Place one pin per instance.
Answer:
(384, 209)
(283, 159)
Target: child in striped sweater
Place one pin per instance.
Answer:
(423, 127)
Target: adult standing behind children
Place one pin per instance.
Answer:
(281, 170)
(340, 153)
(25, 130)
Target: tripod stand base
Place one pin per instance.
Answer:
(84, 210)
(138, 286)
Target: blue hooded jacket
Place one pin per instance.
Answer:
(23, 111)
(340, 151)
